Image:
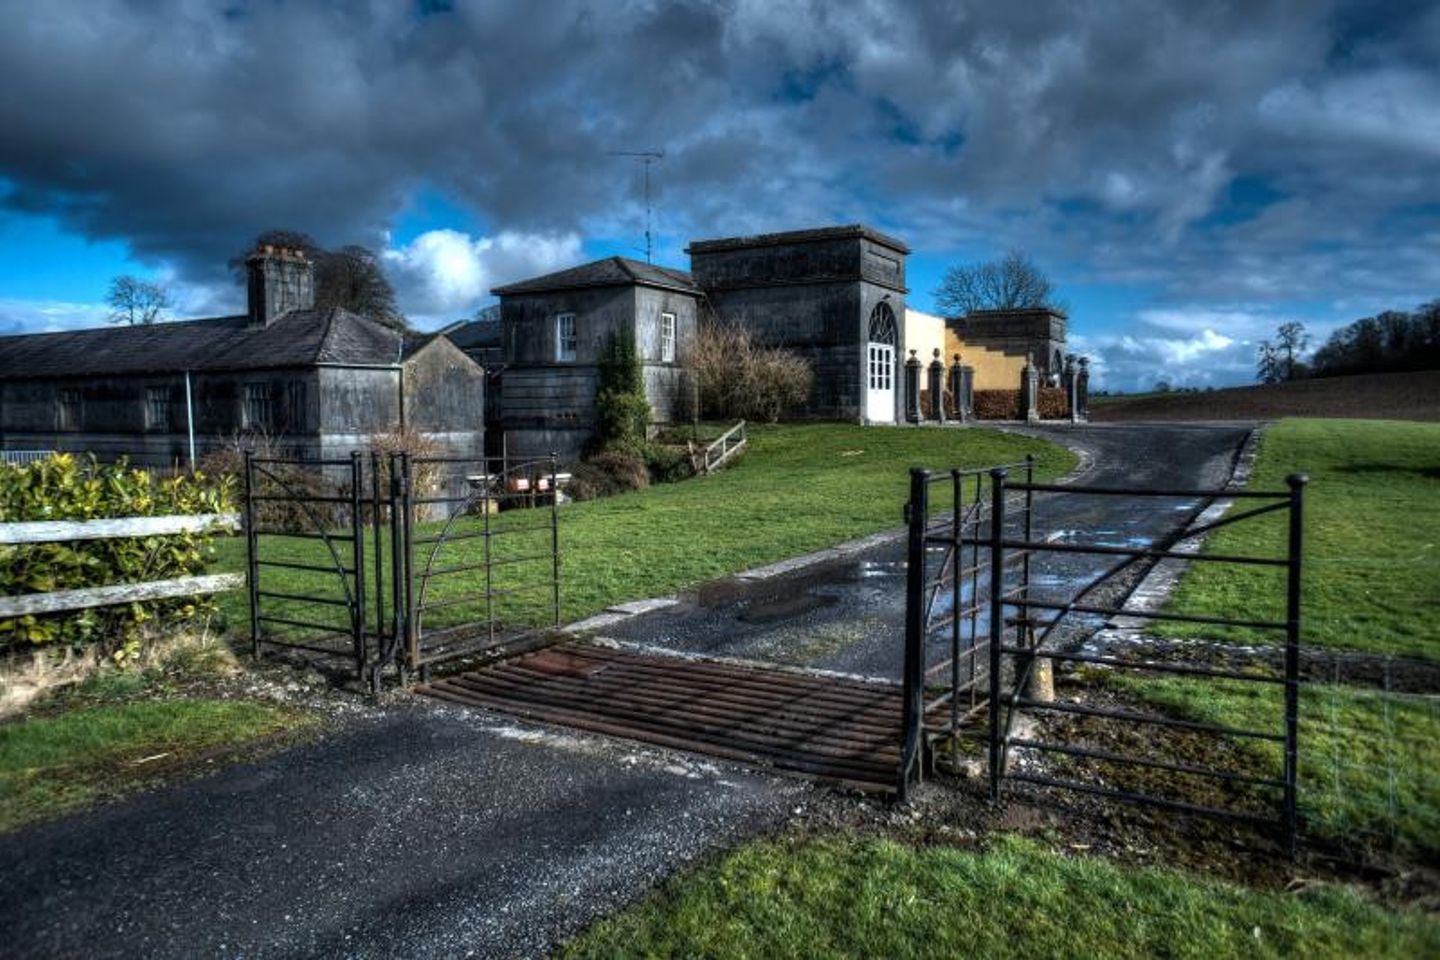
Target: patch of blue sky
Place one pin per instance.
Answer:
(428, 209)
(41, 259)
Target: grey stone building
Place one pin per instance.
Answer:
(835, 295)
(317, 383)
(553, 331)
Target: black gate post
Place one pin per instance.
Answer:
(357, 559)
(377, 507)
(555, 531)
(1296, 482)
(252, 547)
(997, 620)
(912, 709)
(912, 389)
(937, 388)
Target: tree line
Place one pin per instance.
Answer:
(1389, 342)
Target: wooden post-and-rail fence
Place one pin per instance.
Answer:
(61, 531)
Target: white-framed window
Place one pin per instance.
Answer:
(565, 338)
(667, 338)
(157, 408)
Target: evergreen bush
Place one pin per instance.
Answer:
(63, 487)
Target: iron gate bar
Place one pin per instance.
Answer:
(1186, 494)
(315, 567)
(329, 601)
(1144, 799)
(1131, 716)
(326, 537)
(1158, 665)
(1138, 553)
(1106, 756)
(1157, 615)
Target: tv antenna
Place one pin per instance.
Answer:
(645, 158)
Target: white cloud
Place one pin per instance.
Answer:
(49, 316)
(442, 275)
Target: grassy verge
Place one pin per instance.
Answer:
(880, 899)
(1369, 762)
(797, 489)
(50, 765)
(1372, 540)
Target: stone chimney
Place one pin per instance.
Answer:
(278, 280)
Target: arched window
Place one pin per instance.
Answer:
(882, 325)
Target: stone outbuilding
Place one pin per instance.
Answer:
(314, 382)
(554, 330)
(834, 295)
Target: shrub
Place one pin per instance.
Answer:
(623, 411)
(624, 470)
(64, 488)
(736, 376)
(1052, 403)
(668, 464)
(998, 405)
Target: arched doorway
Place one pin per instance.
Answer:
(880, 365)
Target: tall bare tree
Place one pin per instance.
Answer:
(1013, 282)
(1291, 339)
(1269, 363)
(136, 302)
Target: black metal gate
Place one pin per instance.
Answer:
(429, 558)
(988, 544)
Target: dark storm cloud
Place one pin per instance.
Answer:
(1108, 135)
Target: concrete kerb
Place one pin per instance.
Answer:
(621, 612)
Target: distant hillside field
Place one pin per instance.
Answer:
(1379, 396)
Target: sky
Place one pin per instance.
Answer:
(1190, 175)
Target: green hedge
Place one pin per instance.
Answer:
(64, 487)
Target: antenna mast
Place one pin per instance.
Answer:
(645, 158)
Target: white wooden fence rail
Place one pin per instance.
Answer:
(61, 531)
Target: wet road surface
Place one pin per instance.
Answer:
(848, 615)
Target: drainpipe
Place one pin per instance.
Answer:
(190, 419)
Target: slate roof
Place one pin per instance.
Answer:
(299, 338)
(610, 272)
(818, 234)
(476, 334)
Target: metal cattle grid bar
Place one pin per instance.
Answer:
(832, 728)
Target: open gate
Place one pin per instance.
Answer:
(998, 624)
(400, 561)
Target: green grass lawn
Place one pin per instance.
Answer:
(1369, 761)
(1372, 540)
(850, 898)
(53, 764)
(797, 489)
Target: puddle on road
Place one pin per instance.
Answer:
(784, 608)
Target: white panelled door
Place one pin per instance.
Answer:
(880, 383)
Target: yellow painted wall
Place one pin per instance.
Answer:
(994, 369)
(924, 333)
